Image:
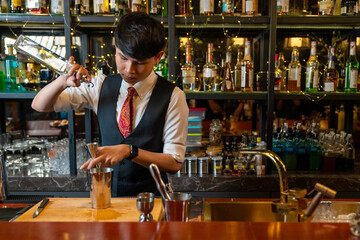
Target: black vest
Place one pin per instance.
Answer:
(130, 178)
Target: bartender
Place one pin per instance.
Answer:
(142, 116)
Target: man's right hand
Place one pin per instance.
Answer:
(73, 80)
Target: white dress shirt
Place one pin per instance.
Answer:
(176, 119)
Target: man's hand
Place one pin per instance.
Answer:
(108, 156)
(74, 80)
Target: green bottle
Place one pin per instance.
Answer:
(162, 68)
(351, 70)
(11, 66)
(312, 70)
(2, 76)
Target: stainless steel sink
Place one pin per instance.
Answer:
(265, 211)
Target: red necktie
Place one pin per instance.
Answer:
(126, 114)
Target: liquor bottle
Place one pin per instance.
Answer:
(348, 7)
(188, 71)
(123, 7)
(113, 7)
(42, 55)
(88, 6)
(352, 69)
(57, 6)
(331, 74)
(155, 7)
(101, 6)
(228, 81)
(294, 69)
(78, 8)
(138, 6)
(227, 7)
(37, 6)
(2, 76)
(207, 7)
(290, 158)
(15, 6)
(312, 70)
(326, 7)
(341, 119)
(162, 68)
(251, 7)
(282, 7)
(238, 7)
(4, 6)
(11, 68)
(282, 71)
(247, 70)
(183, 7)
(237, 72)
(209, 70)
(278, 74)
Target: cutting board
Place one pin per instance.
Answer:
(79, 210)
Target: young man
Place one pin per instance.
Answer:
(149, 127)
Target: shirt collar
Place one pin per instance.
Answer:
(143, 86)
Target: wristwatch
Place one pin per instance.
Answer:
(134, 152)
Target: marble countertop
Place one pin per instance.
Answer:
(341, 182)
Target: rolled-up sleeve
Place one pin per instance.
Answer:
(85, 96)
(176, 123)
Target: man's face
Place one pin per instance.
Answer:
(134, 70)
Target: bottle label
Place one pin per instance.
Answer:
(209, 72)
(353, 77)
(207, 6)
(243, 76)
(289, 149)
(329, 86)
(32, 4)
(136, 2)
(249, 6)
(326, 6)
(188, 76)
(301, 151)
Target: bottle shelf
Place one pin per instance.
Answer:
(106, 20)
(254, 22)
(17, 95)
(262, 95)
(227, 95)
(24, 20)
(318, 22)
(340, 96)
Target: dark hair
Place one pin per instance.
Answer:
(139, 36)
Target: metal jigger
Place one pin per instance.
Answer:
(145, 204)
(92, 148)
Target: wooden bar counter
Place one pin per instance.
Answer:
(174, 230)
(45, 230)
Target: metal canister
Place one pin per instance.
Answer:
(217, 165)
(191, 165)
(203, 163)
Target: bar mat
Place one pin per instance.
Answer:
(25, 198)
(8, 213)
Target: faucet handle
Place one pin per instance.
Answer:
(325, 190)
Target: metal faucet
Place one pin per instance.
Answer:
(280, 167)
